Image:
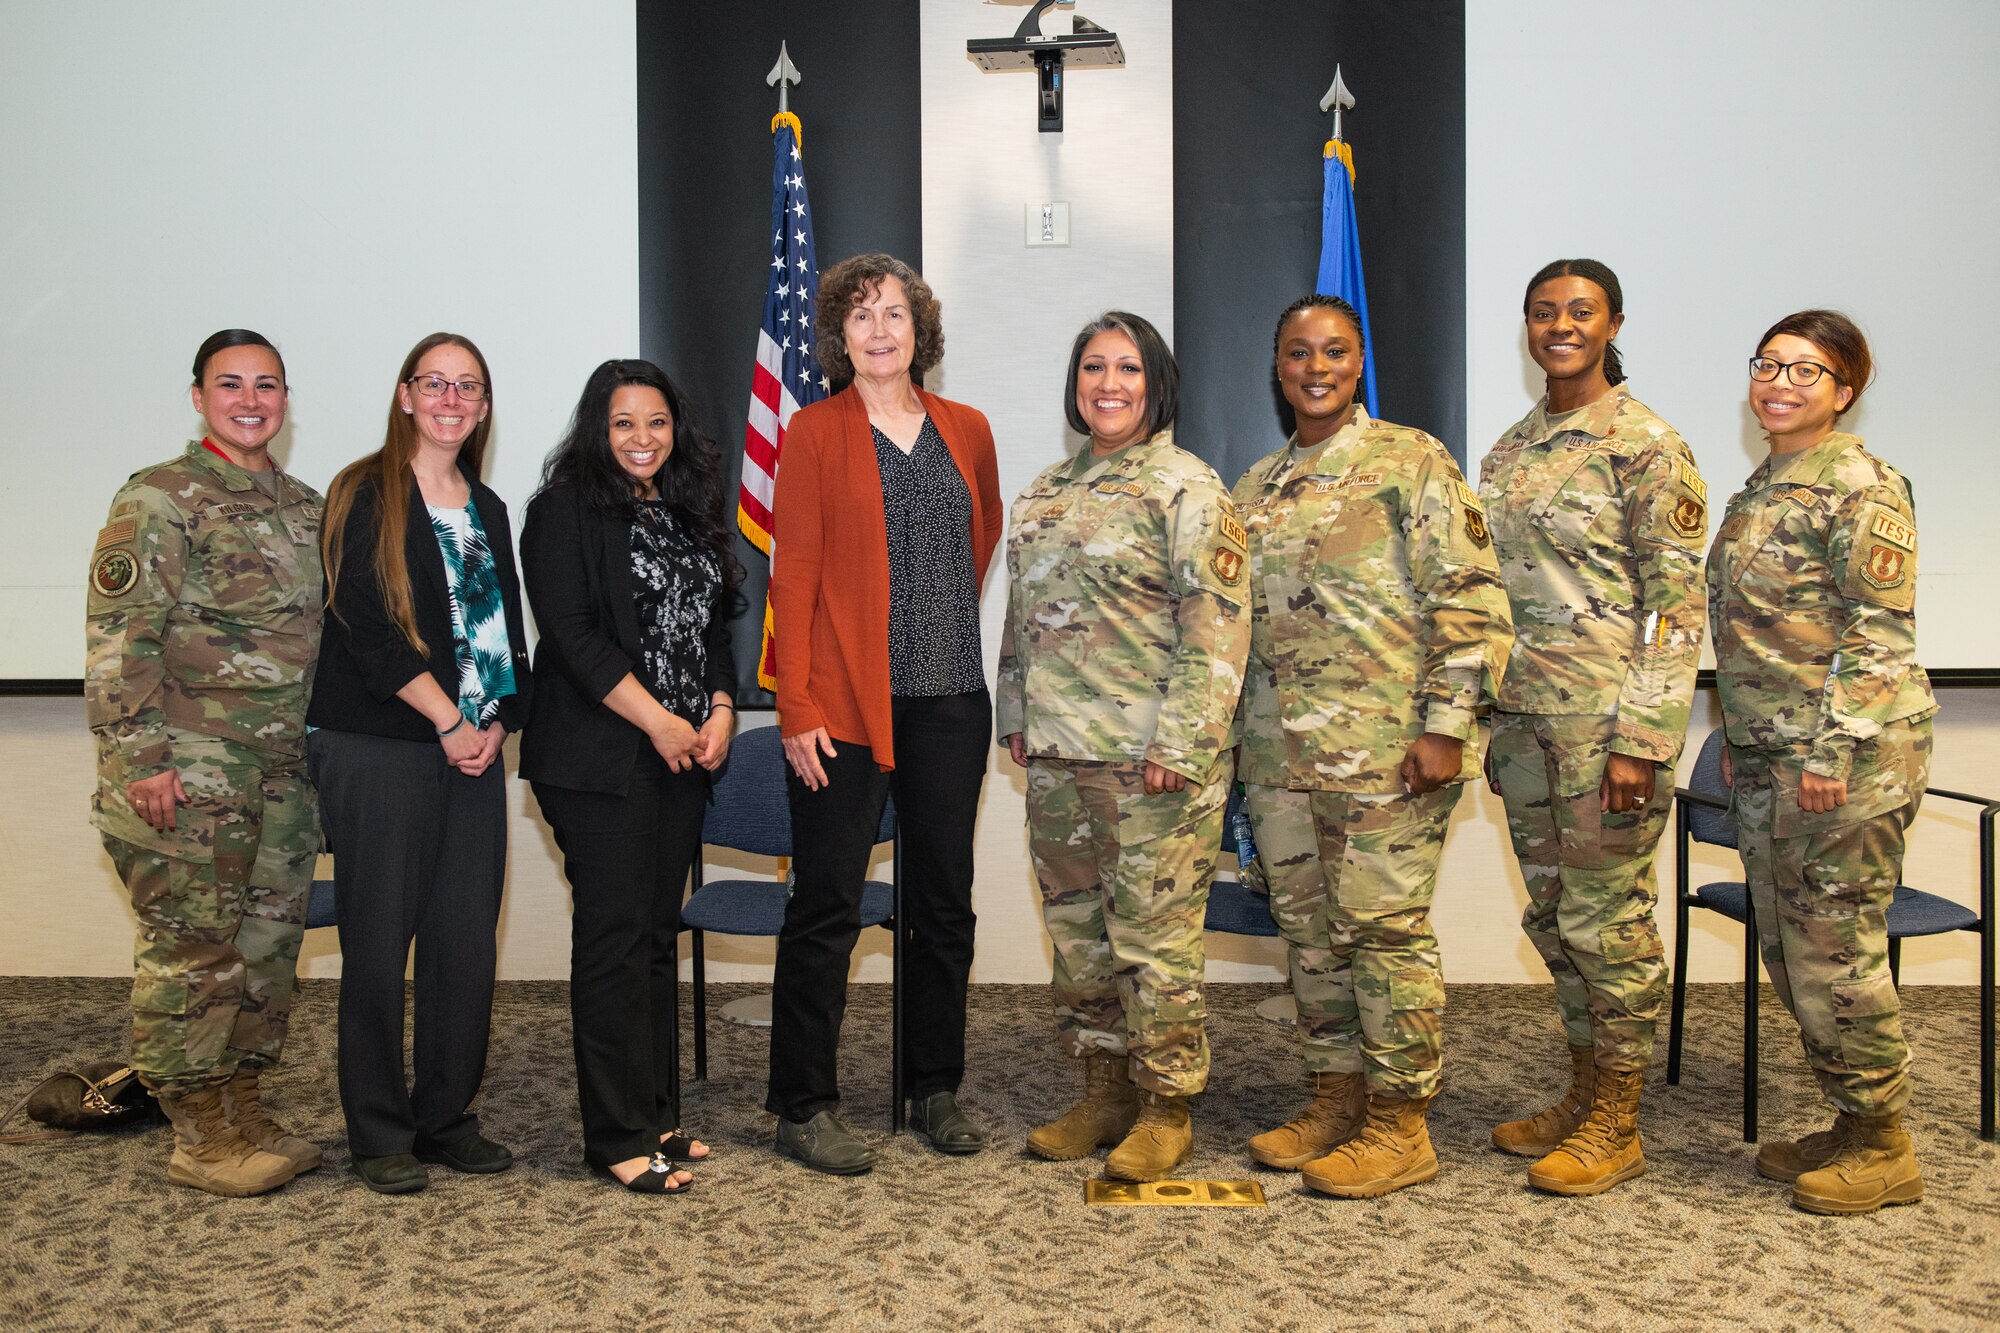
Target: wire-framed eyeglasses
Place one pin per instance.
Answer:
(433, 386)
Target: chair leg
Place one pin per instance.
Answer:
(1986, 1091)
(700, 1010)
(1895, 962)
(1750, 1004)
(1677, 1007)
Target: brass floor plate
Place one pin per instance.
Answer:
(1175, 1193)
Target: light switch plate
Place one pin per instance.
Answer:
(1047, 223)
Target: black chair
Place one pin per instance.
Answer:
(320, 909)
(1233, 909)
(1701, 814)
(748, 812)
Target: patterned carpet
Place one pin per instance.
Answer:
(95, 1237)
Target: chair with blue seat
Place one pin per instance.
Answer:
(1232, 908)
(748, 812)
(1701, 814)
(1235, 910)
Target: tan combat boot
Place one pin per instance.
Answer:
(1539, 1134)
(1605, 1149)
(1106, 1114)
(210, 1155)
(1788, 1160)
(1161, 1140)
(1392, 1150)
(1876, 1166)
(1335, 1114)
(254, 1123)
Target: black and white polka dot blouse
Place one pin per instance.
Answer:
(933, 599)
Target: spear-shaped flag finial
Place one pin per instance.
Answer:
(1337, 99)
(785, 72)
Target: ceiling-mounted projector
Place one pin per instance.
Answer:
(1085, 45)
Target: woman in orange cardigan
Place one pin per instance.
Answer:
(888, 510)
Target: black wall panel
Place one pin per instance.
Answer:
(705, 188)
(1248, 76)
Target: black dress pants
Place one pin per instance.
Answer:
(941, 752)
(627, 858)
(420, 854)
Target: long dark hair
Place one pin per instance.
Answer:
(388, 471)
(690, 482)
(1590, 270)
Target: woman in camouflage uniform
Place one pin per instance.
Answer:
(1598, 516)
(1377, 615)
(204, 627)
(1812, 593)
(1126, 631)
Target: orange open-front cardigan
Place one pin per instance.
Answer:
(830, 568)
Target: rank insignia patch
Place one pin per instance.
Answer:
(114, 573)
(1690, 517)
(1885, 566)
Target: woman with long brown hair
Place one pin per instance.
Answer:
(422, 675)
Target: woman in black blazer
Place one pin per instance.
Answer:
(627, 560)
(422, 674)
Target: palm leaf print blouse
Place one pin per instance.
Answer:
(478, 615)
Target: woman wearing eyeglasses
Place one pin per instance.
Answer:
(422, 675)
(1598, 516)
(1812, 593)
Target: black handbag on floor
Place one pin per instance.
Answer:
(102, 1094)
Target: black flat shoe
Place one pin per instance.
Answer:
(674, 1147)
(475, 1154)
(396, 1173)
(657, 1178)
(950, 1130)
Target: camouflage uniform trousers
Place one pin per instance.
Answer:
(1351, 882)
(1125, 879)
(221, 902)
(1589, 874)
(1821, 896)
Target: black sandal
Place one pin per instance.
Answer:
(674, 1147)
(657, 1178)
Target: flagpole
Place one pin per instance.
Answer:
(1340, 241)
(786, 376)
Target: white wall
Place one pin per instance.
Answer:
(545, 217)
(1011, 312)
(1736, 162)
(342, 178)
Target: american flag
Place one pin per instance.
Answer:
(787, 376)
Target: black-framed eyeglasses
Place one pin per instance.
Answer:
(1802, 374)
(433, 386)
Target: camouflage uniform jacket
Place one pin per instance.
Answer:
(1127, 623)
(1377, 609)
(1813, 592)
(1598, 516)
(204, 613)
